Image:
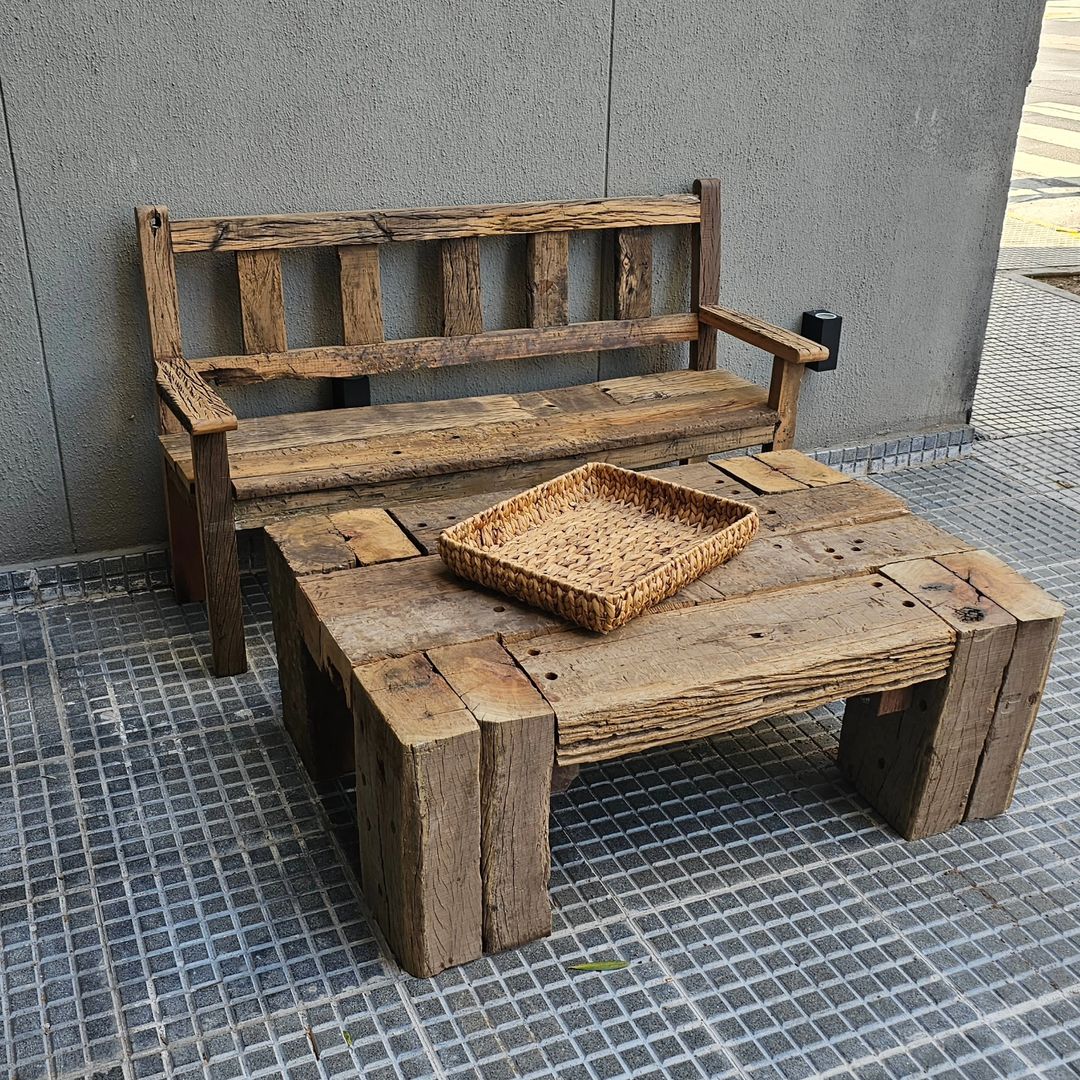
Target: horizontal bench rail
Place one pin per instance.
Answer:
(442, 223)
(380, 357)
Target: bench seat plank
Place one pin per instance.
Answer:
(380, 444)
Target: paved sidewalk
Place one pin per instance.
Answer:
(177, 899)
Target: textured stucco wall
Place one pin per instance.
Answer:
(864, 148)
(33, 515)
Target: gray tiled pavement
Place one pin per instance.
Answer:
(177, 900)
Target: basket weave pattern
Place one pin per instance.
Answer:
(598, 545)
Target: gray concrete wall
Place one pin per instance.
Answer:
(865, 149)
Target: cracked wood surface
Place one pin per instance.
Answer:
(687, 674)
(918, 767)
(418, 810)
(1038, 622)
(517, 748)
(442, 223)
(472, 346)
(419, 442)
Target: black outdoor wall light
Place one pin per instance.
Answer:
(823, 326)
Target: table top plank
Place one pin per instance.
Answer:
(672, 676)
(759, 475)
(773, 562)
(806, 470)
(391, 609)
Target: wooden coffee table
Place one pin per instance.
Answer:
(455, 703)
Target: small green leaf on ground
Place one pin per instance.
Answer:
(347, 1037)
(601, 965)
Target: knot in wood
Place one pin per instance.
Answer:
(970, 614)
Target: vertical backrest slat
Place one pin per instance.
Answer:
(361, 294)
(162, 297)
(633, 273)
(462, 312)
(262, 301)
(705, 270)
(547, 271)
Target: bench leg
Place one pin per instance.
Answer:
(784, 398)
(217, 540)
(185, 555)
(418, 811)
(313, 703)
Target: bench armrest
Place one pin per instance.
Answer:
(762, 335)
(191, 398)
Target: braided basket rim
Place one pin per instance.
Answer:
(455, 542)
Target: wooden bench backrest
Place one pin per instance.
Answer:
(258, 242)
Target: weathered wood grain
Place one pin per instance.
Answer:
(384, 226)
(661, 385)
(633, 273)
(917, 767)
(705, 271)
(1038, 621)
(763, 335)
(159, 289)
(490, 446)
(254, 511)
(408, 354)
(547, 273)
(396, 608)
(776, 561)
(311, 544)
(185, 555)
(825, 508)
(784, 389)
(372, 535)
(802, 510)
(262, 301)
(759, 475)
(192, 401)
(361, 294)
(322, 427)
(657, 680)
(517, 750)
(418, 810)
(803, 468)
(462, 313)
(217, 536)
(313, 704)
(703, 476)
(423, 521)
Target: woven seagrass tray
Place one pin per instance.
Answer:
(598, 545)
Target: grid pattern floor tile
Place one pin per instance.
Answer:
(178, 900)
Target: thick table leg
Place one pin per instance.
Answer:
(1038, 620)
(918, 767)
(313, 703)
(517, 737)
(418, 809)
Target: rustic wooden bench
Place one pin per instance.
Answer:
(455, 702)
(222, 472)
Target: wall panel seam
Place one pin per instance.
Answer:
(37, 314)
